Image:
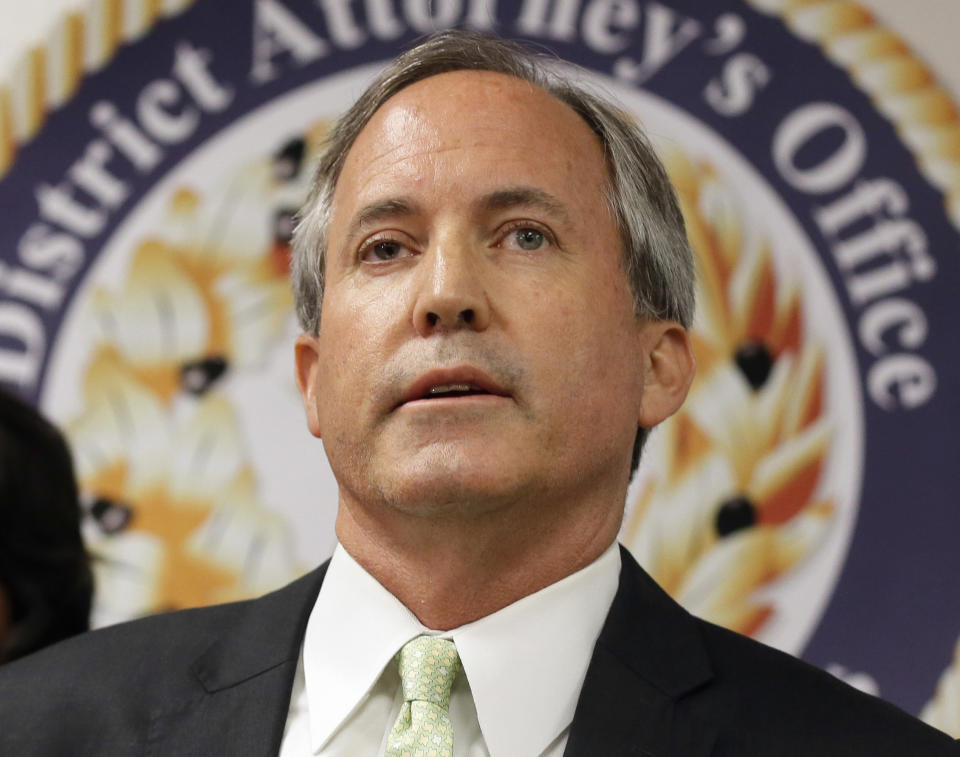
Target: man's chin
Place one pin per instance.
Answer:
(448, 488)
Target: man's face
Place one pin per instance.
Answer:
(478, 344)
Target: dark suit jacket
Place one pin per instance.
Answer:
(217, 681)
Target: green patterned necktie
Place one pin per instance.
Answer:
(428, 665)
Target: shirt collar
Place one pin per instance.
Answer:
(525, 663)
(354, 630)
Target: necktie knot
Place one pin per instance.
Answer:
(428, 666)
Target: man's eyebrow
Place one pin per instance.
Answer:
(379, 210)
(505, 199)
(501, 199)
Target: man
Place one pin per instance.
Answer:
(495, 288)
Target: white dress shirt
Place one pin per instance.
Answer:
(523, 666)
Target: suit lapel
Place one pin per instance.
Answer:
(648, 656)
(243, 681)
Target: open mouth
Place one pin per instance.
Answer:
(456, 383)
(452, 390)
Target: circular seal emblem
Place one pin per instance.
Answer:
(151, 166)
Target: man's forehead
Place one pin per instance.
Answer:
(463, 109)
(446, 90)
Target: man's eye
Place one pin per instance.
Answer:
(383, 251)
(529, 239)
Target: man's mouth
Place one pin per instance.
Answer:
(453, 390)
(464, 381)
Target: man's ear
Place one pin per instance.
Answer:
(307, 367)
(669, 367)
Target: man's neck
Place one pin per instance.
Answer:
(451, 571)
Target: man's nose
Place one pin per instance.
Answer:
(451, 293)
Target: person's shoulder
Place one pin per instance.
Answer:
(789, 707)
(125, 652)
(105, 654)
(98, 688)
(107, 684)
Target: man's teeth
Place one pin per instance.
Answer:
(445, 388)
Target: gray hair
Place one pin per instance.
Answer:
(656, 254)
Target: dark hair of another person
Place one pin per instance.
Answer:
(44, 568)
